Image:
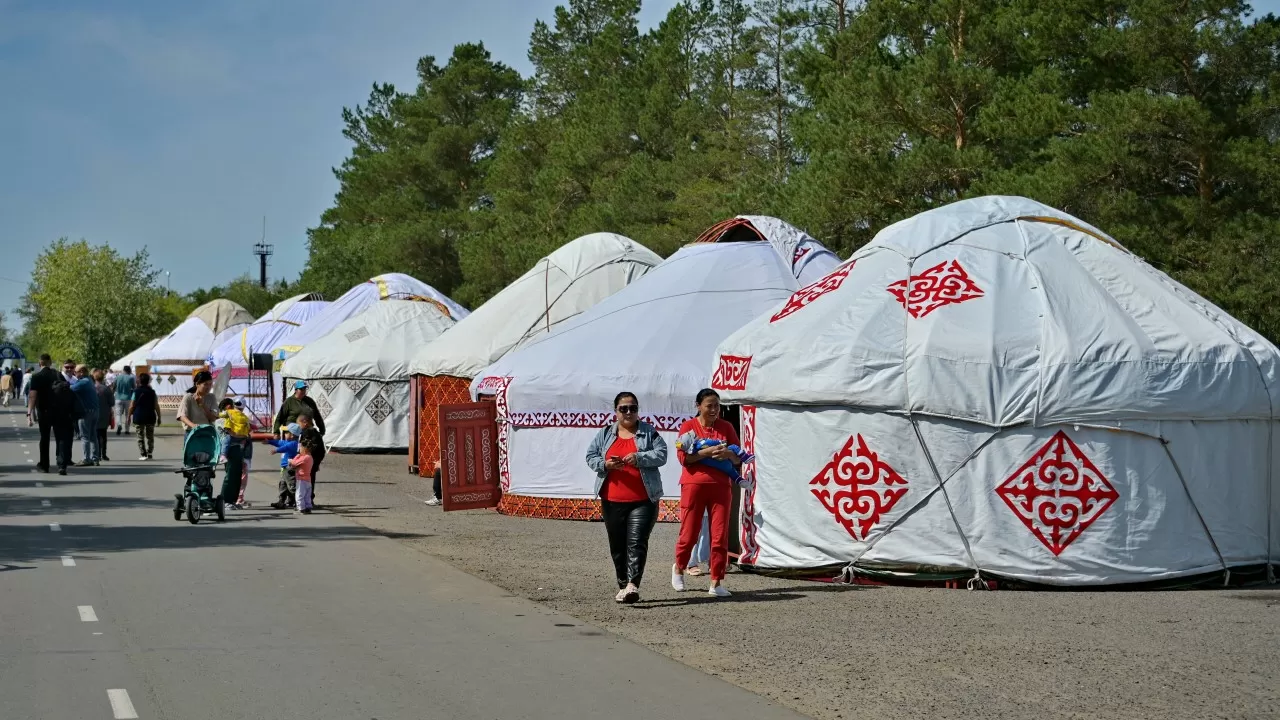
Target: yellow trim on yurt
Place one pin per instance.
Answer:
(1073, 226)
(383, 291)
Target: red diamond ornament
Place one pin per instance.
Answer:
(809, 293)
(1058, 493)
(858, 488)
(946, 283)
(731, 374)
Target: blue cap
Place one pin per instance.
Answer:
(300, 385)
(295, 429)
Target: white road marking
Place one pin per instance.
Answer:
(121, 705)
(68, 561)
(45, 503)
(87, 614)
(26, 452)
(97, 633)
(39, 484)
(55, 527)
(30, 460)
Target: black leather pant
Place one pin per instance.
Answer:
(629, 525)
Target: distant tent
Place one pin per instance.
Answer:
(656, 337)
(260, 337)
(557, 288)
(179, 354)
(994, 389)
(359, 372)
(391, 286)
(138, 356)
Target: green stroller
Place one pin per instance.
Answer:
(200, 453)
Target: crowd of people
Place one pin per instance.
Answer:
(86, 404)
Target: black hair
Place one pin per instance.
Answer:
(705, 393)
(202, 377)
(128, 369)
(624, 394)
(226, 403)
(306, 415)
(144, 379)
(46, 358)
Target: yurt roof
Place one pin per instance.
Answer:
(570, 280)
(204, 329)
(1003, 311)
(656, 336)
(382, 287)
(135, 357)
(267, 331)
(220, 314)
(374, 344)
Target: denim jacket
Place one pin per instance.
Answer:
(651, 455)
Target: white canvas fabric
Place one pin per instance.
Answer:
(266, 332)
(383, 287)
(558, 287)
(138, 356)
(996, 386)
(187, 347)
(359, 373)
(655, 338)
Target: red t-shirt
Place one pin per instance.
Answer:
(701, 473)
(623, 485)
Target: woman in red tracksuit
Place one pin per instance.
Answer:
(704, 488)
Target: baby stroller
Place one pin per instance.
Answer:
(200, 452)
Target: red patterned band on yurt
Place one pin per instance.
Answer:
(571, 508)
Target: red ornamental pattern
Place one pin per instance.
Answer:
(1058, 493)
(732, 373)
(497, 386)
(808, 294)
(858, 488)
(581, 419)
(750, 548)
(946, 283)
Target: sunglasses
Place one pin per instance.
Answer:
(628, 409)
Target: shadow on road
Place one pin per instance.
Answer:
(794, 592)
(17, 505)
(34, 544)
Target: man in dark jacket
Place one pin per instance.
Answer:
(295, 405)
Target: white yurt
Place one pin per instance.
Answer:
(655, 338)
(994, 389)
(134, 358)
(391, 286)
(359, 373)
(186, 349)
(264, 334)
(558, 287)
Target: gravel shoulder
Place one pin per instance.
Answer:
(831, 651)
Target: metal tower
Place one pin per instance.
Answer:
(263, 251)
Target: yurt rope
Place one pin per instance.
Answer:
(919, 503)
(1226, 572)
(976, 582)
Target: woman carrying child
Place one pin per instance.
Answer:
(706, 488)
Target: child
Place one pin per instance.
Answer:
(287, 447)
(313, 441)
(248, 463)
(301, 465)
(235, 431)
(691, 443)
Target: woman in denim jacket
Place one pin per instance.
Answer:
(626, 457)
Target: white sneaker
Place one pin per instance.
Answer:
(677, 580)
(719, 591)
(434, 501)
(143, 457)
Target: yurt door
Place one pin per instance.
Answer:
(469, 456)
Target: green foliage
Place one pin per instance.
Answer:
(1156, 120)
(90, 303)
(246, 292)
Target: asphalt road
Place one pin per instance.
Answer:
(111, 609)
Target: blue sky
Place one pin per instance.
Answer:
(178, 126)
